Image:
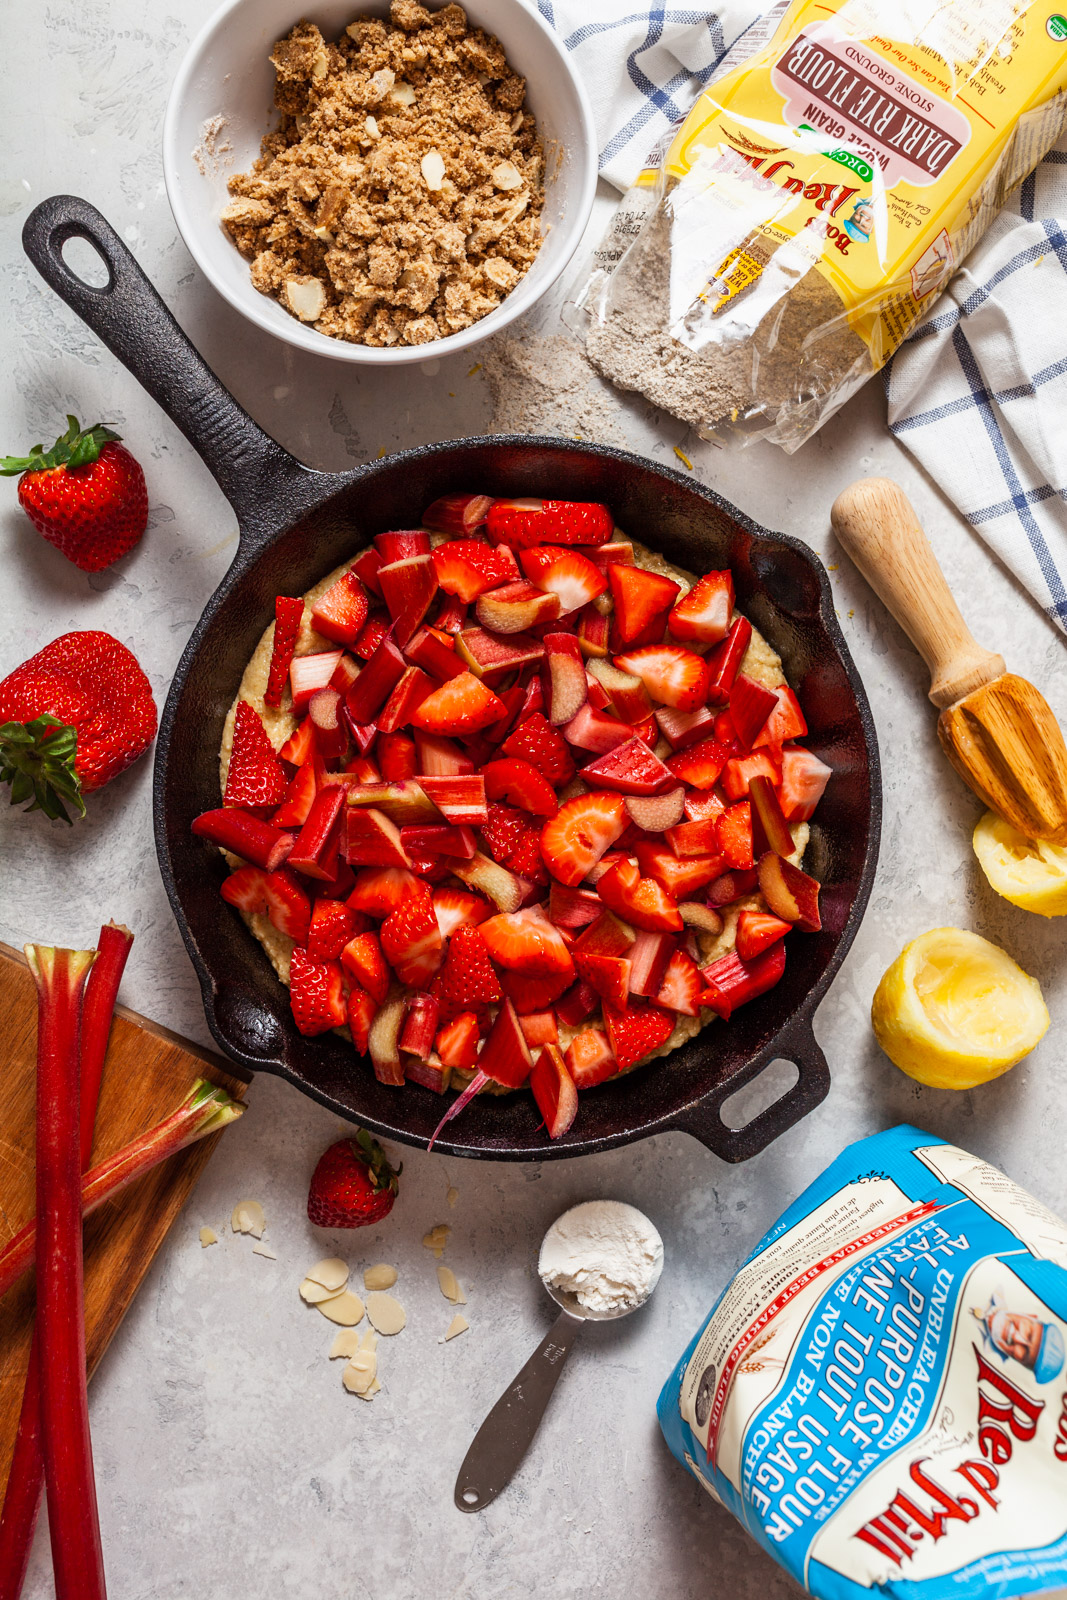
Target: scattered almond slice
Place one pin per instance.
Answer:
(433, 169)
(458, 1325)
(374, 1389)
(360, 1372)
(437, 1238)
(380, 1277)
(332, 1273)
(346, 1343)
(450, 1286)
(345, 1308)
(386, 1314)
(264, 1250)
(506, 176)
(369, 1341)
(315, 1294)
(452, 1196)
(208, 1236)
(248, 1217)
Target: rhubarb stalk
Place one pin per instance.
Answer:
(25, 1482)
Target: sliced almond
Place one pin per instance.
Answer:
(346, 1343)
(345, 1308)
(369, 1340)
(332, 1273)
(382, 1276)
(248, 1217)
(506, 175)
(385, 1314)
(459, 1324)
(403, 94)
(264, 1250)
(450, 1286)
(373, 130)
(306, 298)
(437, 1238)
(360, 1372)
(208, 1236)
(433, 169)
(315, 1294)
(323, 235)
(374, 1389)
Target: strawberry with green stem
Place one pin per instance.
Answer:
(353, 1185)
(87, 495)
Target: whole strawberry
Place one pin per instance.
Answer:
(86, 495)
(353, 1184)
(72, 717)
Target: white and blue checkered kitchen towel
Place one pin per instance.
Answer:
(979, 392)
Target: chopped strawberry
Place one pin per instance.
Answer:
(409, 586)
(457, 513)
(574, 839)
(297, 799)
(316, 993)
(517, 781)
(786, 720)
(381, 890)
(467, 981)
(589, 1059)
(750, 706)
(454, 908)
(410, 691)
(699, 838)
(701, 764)
(278, 894)
(540, 1027)
(528, 941)
(608, 975)
(524, 523)
(679, 878)
(732, 982)
(644, 902)
(468, 567)
(700, 805)
(333, 924)
(300, 745)
(607, 936)
(757, 931)
(634, 1030)
(461, 706)
(526, 858)
(365, 567)
(724, 662)
(533, 994)
(373, 632)
(565, 573)
(504, 831)
(554, 1091)
(255, 776)
(411, 941)
(804, 778)
(630, 768)
(341, 612)
(734, 835)
(457, 1041)
(288, 615)
(362, 958)
(704, 613)
(505, 1055)
(672, 676)
(362, 1009)
(535, 740)
(577, 1005)
(642, 601)
(682, 985)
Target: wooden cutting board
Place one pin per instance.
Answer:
(148, 1070)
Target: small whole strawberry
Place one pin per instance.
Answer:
(353, 1184)
(72, 717)
(86, 495)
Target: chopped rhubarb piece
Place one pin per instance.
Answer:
(362, 958)
(757, 931)
(405, 803)
(554, 1091)
(750, 706)
(438, 841)
(297, 799)
(300, 745)
(255, 776)
(309, 674)
(410, 692)
(362, 1009)
(375, 629)
(411, 941)
(563, 678)
(769, 827)
(277, 894)
(462, 706)
(457, 514)
(630, 769)
(460, 799)
(513, 700)
(457, 908)
(439, 758)
(681, 986)
(731, 982)
(642, 601)
(420, 1026)
(288, 615)
(440, 660)
(673, 676)
(597, 695)
(536, 741)
(332, 925)
(516, 781)
(365, 567)
(331, 728)
(341, 612)
(244, 835)
(573, 908)
(641, 901)
(409, 586)
(372, 840)
(565, 573)
(656, 813)
(401, 545)
(375, 683)
(492, 657)
(804, 778)
(540, 1027)
(733, 832)
(428, 1071)
(731, 886)
(501, 886)
(578, 1004)
(363, 734)
(316, 993)
(607, 936)
(593, 730)
(345, 674)
(701, 764)
(636, 1030)
(704, 613)
(451, 615)
(534, 704)
(791, 894)
(457, 1042)
(383, 1042)
(528, 941)
(627, 696)
(315, 851)
(684, 728)
(724, 662)
(589, 1059)
(524, 523)
(468, 568)
(516, 607)
(695, 914)
(594, 628)
(700, 838)
(649, 955)
(396, 756)
(574, 839)
(618, 552)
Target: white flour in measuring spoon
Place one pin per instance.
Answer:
(604, 1252)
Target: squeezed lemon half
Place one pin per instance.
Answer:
(1029, 872)
(954, 1010)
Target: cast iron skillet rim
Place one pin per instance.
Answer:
(314, 486)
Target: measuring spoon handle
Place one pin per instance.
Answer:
(507, 1432)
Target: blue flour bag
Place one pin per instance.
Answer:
(879, 1395)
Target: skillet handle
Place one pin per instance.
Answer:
(797, 1043)
(252, 469)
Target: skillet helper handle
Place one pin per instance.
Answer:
(507, 1432)
(798, 1044)
(874, 520)
(129, 317)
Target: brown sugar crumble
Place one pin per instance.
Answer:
(399, 199)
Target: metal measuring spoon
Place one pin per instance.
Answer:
(507, 1432)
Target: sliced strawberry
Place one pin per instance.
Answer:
(700, 805)
(401, 544)
(409, 693)
(682, 985)
(724, 662)
(341, 612)
(731, 982)
(634, 1030)
(526, 858)
(577, 1005)
(540, 1027)
(396, 757)
(255, 776)
(565, 573)
(451, 615)
(494, 656)
(300, 745)
(372, 633)
(529, 994)
(750, 706)
(297, 799)
(462, 706)
(630, 768)
(381, 890)
(457, 514)
(554, 1091)
(699, 838)
(288, 615)
(642, 601)
(786, 720)
(573, 908)
(468, 567)
(411, 941)
(589, 1059)
(277, 894)
(679, 878)
(514, 700)
(704, 613)
(701, 764)
(608, 975)
(333, 924)
(362, 1009)
(804, 778)
(734, 835)
(316, 993)
(456, 908)
(362, 958)
(535, 740)
(457, 1041)
(672, 676)
(515, 780)
(409, 586)
(641, 901)
(466, 982)
(365, 567)
(757, 931)
(607, 936)
(505, 1055)
(503, 831)
(574, 839)
(528, 941)
(524, 523)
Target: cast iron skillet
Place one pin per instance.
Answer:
(295, 525)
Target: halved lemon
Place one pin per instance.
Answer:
(1029, 872)
(954, 1010)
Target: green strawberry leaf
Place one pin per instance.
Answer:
(78, 447)
(37, 760)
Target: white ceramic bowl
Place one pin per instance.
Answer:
(227, 74)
